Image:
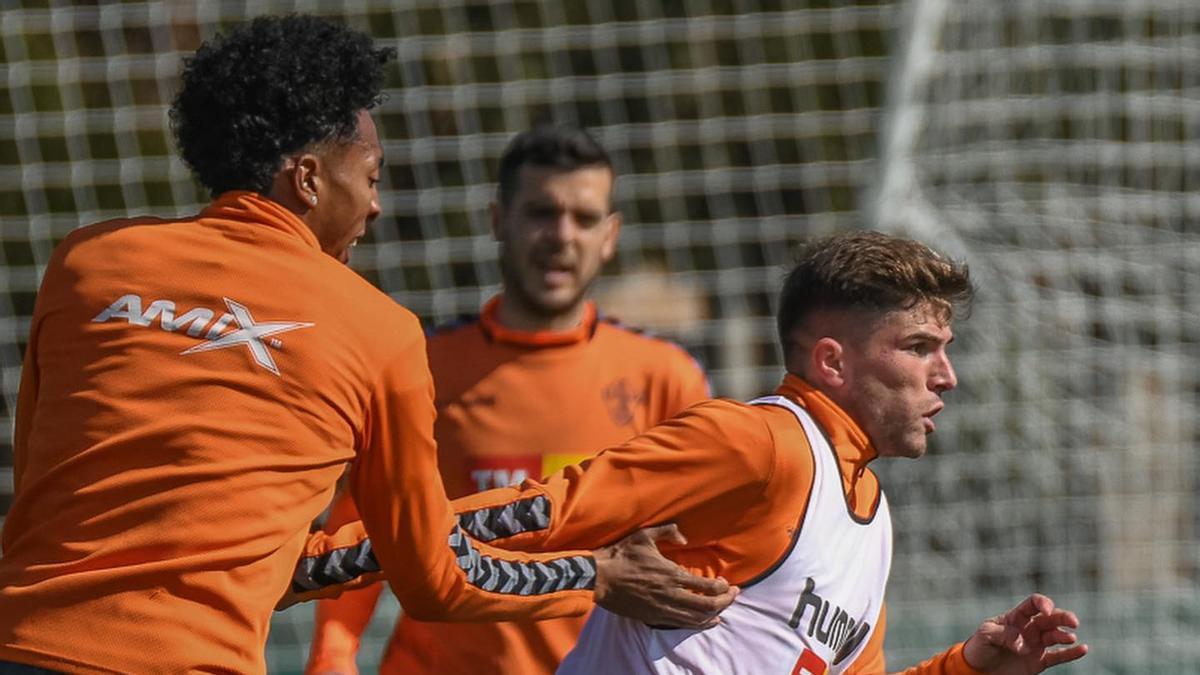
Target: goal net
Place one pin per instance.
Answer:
(1053, 145)
(1050, 143)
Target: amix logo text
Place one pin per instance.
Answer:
(195, 322)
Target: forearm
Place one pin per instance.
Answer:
(338, 630)
(333, 563)
(871, 660)
(949, 662)
(340, 622)
(473, 582)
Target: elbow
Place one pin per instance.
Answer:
(426, 612)
(429, 604)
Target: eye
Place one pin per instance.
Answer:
(921, 348)
(372, 182)
(541, 213)
(589, 218)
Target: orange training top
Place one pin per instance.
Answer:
(514, 405)
(735, 478)
(191, 392)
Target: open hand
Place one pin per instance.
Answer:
(633, 579)
(1023, 640)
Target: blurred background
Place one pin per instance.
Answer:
(1052, 144)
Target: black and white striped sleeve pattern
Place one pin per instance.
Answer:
(571, 573)
(335, 567)
(495, 575)
(506, 520)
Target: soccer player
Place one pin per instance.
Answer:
(193, 388)
(536, 382)
(778, 496)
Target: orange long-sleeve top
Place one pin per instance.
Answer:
(191, 392)
(511, 405)
(736, 478)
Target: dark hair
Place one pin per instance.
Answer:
(869, 271)
(561, 147)
(269, 89)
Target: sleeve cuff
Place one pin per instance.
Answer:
(956, 662)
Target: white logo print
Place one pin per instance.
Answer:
(248, 333)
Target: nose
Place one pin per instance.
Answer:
(943, 378)
(564, 228)
(374, 209)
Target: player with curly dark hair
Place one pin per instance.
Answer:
(279, 108)
(193, 389)
(269, 90)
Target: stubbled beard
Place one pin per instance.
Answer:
(894, 434)
(515, 289)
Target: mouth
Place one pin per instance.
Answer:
(555, 274)
(344, 257)
(927, 419)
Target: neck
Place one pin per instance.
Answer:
(512, 314)
(281, 194)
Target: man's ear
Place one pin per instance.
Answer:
(305, 178)
(609, 248)
(827, 363)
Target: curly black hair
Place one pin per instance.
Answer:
(267, 90)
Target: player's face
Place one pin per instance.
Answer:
(348, 197)
(895, 377)
(555, 236)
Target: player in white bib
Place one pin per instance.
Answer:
(777, 497)
(812, 612)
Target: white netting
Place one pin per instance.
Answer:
(1051, 143)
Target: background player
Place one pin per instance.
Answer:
(193, 388)
(535, 383)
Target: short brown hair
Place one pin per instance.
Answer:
(869, 271)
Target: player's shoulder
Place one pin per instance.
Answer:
(106, 236)
(756, 419)
(777, 414)
(636, 342)
(740, 433)
(361, 311)
(730, 417)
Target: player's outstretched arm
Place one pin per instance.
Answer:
(633, 578)
(340, 622)
(716, 452)
(1028, 639)
(713, 452)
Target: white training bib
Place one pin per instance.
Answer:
(810, 614)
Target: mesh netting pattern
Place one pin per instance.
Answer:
(1051, 144)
